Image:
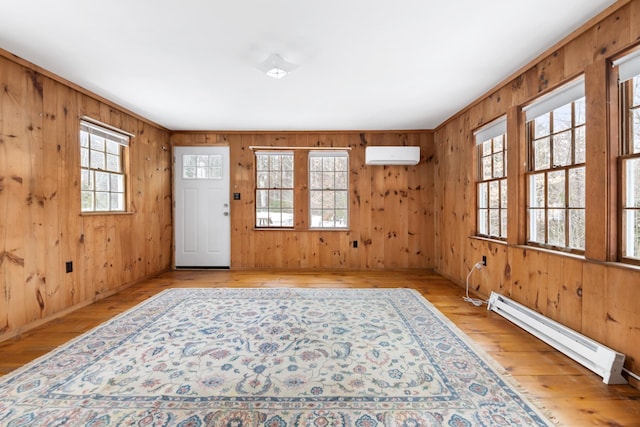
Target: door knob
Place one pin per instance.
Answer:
(226, 214)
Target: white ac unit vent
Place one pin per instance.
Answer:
(392, 155)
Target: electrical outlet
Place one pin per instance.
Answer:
(484, 260)
(68, 266)
(355, 243)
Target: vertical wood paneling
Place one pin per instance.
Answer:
(40, 223)
(389, 205)
(588, 294)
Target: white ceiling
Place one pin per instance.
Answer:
(362, 64)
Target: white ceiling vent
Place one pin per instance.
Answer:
(392, 155)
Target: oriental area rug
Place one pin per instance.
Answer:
(268, 358)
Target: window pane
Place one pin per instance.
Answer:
(556, 227)
(342, 180)
(635, 85)
(503, 193)
(494, 194)
(315, 199)
(287, 162)
(576, 228)
(483, 195)
(87, 201)
(635, 131)
(541, 126)
(315, 164)
(328, 163)
(315, 180)
(537, 225)
(262, 163)
(542, 154)
(341, 218)
(328, 181)
(275, 163)
(189, 172)
(580, 111)
(84, 139)
(631, 233)
(486, 148)
(503, 223)
(556, 192)
(287, 199)
(487, 173)
(97, 143)
(580, 146)
(86, 181)
(497, 144)
(342, 200)
(189, 160)
(262, 199)
(102, 181)
(117, 183)
(494, 222)
(316, 217)
(328, 199)
(84, 157)
(113, 163)
(97, 160)
(562, 149)
(577, 188)
(562, 118)
(102, 201)
(113, 148)
(536, 191)
(483, 224)
(342, 164)
(275, 179)
(632, 183)
(498, 166)
(117, 201)
(262, 180)
(287, 179)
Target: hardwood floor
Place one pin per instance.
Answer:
(573, 395)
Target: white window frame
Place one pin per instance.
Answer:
(103, 170)
(491, 143)
(569, 210)
(331, 198)
(270, 186)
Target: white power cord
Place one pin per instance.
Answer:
(475, 301)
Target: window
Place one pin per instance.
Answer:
(274, 189)
(492, 179)
(202, 166)
(629, 75)
(102, 170)
(328, 189)
(556, 169)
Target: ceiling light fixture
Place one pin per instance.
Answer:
(275, 66)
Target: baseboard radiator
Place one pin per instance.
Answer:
(602, 360)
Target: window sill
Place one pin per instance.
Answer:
(106, 213)
(300, 229)
(489, 239)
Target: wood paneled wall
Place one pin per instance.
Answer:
(391, 211)
(591, 294)
(40, 223)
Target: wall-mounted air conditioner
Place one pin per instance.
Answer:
(392, 155)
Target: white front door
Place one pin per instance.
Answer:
(202, 216)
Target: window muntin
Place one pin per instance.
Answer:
(274, 189)
(328, 189)
(556, 177)
(492, 187)
(102, 171)
(630, 169)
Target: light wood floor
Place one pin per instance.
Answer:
(573, 395)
